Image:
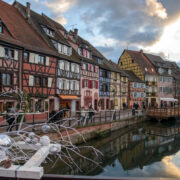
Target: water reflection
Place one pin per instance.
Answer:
(150, 150)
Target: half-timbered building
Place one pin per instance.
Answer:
(21, 65)
(136, 90)
(119, 87)
(68, 62)
(137, 62)
(89, 71)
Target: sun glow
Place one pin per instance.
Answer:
(169, 42)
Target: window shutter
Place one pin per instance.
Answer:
(16, 55)
(70, 51)
(97, 84)
(84, 52)
(31, 80)
(47, 61)
(31, 57)
(82, 67)
(89, 83)
(49, 82)
(83, 83)
(1, 51)
(36, 58)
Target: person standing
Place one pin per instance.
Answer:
(91, 112)
(10, 120)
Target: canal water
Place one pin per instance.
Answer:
(144, 150)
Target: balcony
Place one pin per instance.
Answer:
(67, 74)
(151, 83)
(70, 92)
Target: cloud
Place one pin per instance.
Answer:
(134, 23)
(59, 6)
(61, 19)
(155, 8)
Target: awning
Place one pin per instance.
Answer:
(168, 99)
(66, 97)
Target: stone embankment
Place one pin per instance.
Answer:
(91, 132)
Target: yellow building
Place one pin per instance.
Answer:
(136, 61)
(119, 87)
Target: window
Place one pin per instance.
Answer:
(77, 68)
(6, 79)
(132, 60)
(146, 69)
(44, 82)
(80, 52)
(49, 31)
(41, 59)
(85, 67)
(26, 56)
(94, 84)
(169, 71)
(65, 49)
(67, 66)
(1, 28)
(86, 83)
(9, 52)
(37, 81)
(72, 67)
(61, 65)
(124, 90)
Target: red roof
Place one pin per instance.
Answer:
(20, 30)
(145, 65)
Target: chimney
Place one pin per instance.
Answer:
(76, 32)
(141, 51)
(28, 10)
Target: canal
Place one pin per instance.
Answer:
(144, 150)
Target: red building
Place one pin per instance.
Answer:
(26, 62)
(136, 90)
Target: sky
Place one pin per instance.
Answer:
(115, 25)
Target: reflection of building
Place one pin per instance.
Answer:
(133, 149)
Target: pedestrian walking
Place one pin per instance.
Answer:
(83, 115)
(91, 112)
(10, 119)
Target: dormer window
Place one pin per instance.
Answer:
(48, 31)
(84, 52)
(63, 49)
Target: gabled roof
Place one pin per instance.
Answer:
(36, 21)
(21, 33)
(142, 61)
(115, 68)
(132, 77)
(95, 53)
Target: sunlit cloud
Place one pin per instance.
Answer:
(61, 19)
(59, 6)
(155, 8)
(170, 167)
(169, 42)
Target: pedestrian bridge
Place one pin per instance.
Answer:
(163, 113)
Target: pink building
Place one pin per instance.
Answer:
(89, 85)
(166, 85)
(89, 70)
